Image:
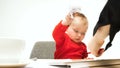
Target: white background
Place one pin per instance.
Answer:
(34, 20)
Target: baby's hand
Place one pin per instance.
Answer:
(69, 17)
(67, 21)
(74, 10)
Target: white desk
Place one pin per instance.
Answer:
(101, 63)
(98, 63)
(48, 63)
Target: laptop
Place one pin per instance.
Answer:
(11, 50)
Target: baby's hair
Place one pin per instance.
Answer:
(79, 14)
(83, 17)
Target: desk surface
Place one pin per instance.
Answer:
(48, 63)
(64, 63)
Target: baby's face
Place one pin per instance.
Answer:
(77, 30)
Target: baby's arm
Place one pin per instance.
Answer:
(60, 29)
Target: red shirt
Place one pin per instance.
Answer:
(65, 47)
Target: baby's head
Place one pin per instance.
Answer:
(78, 28)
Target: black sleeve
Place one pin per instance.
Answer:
(110, 15)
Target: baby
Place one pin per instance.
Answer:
(68, 35)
